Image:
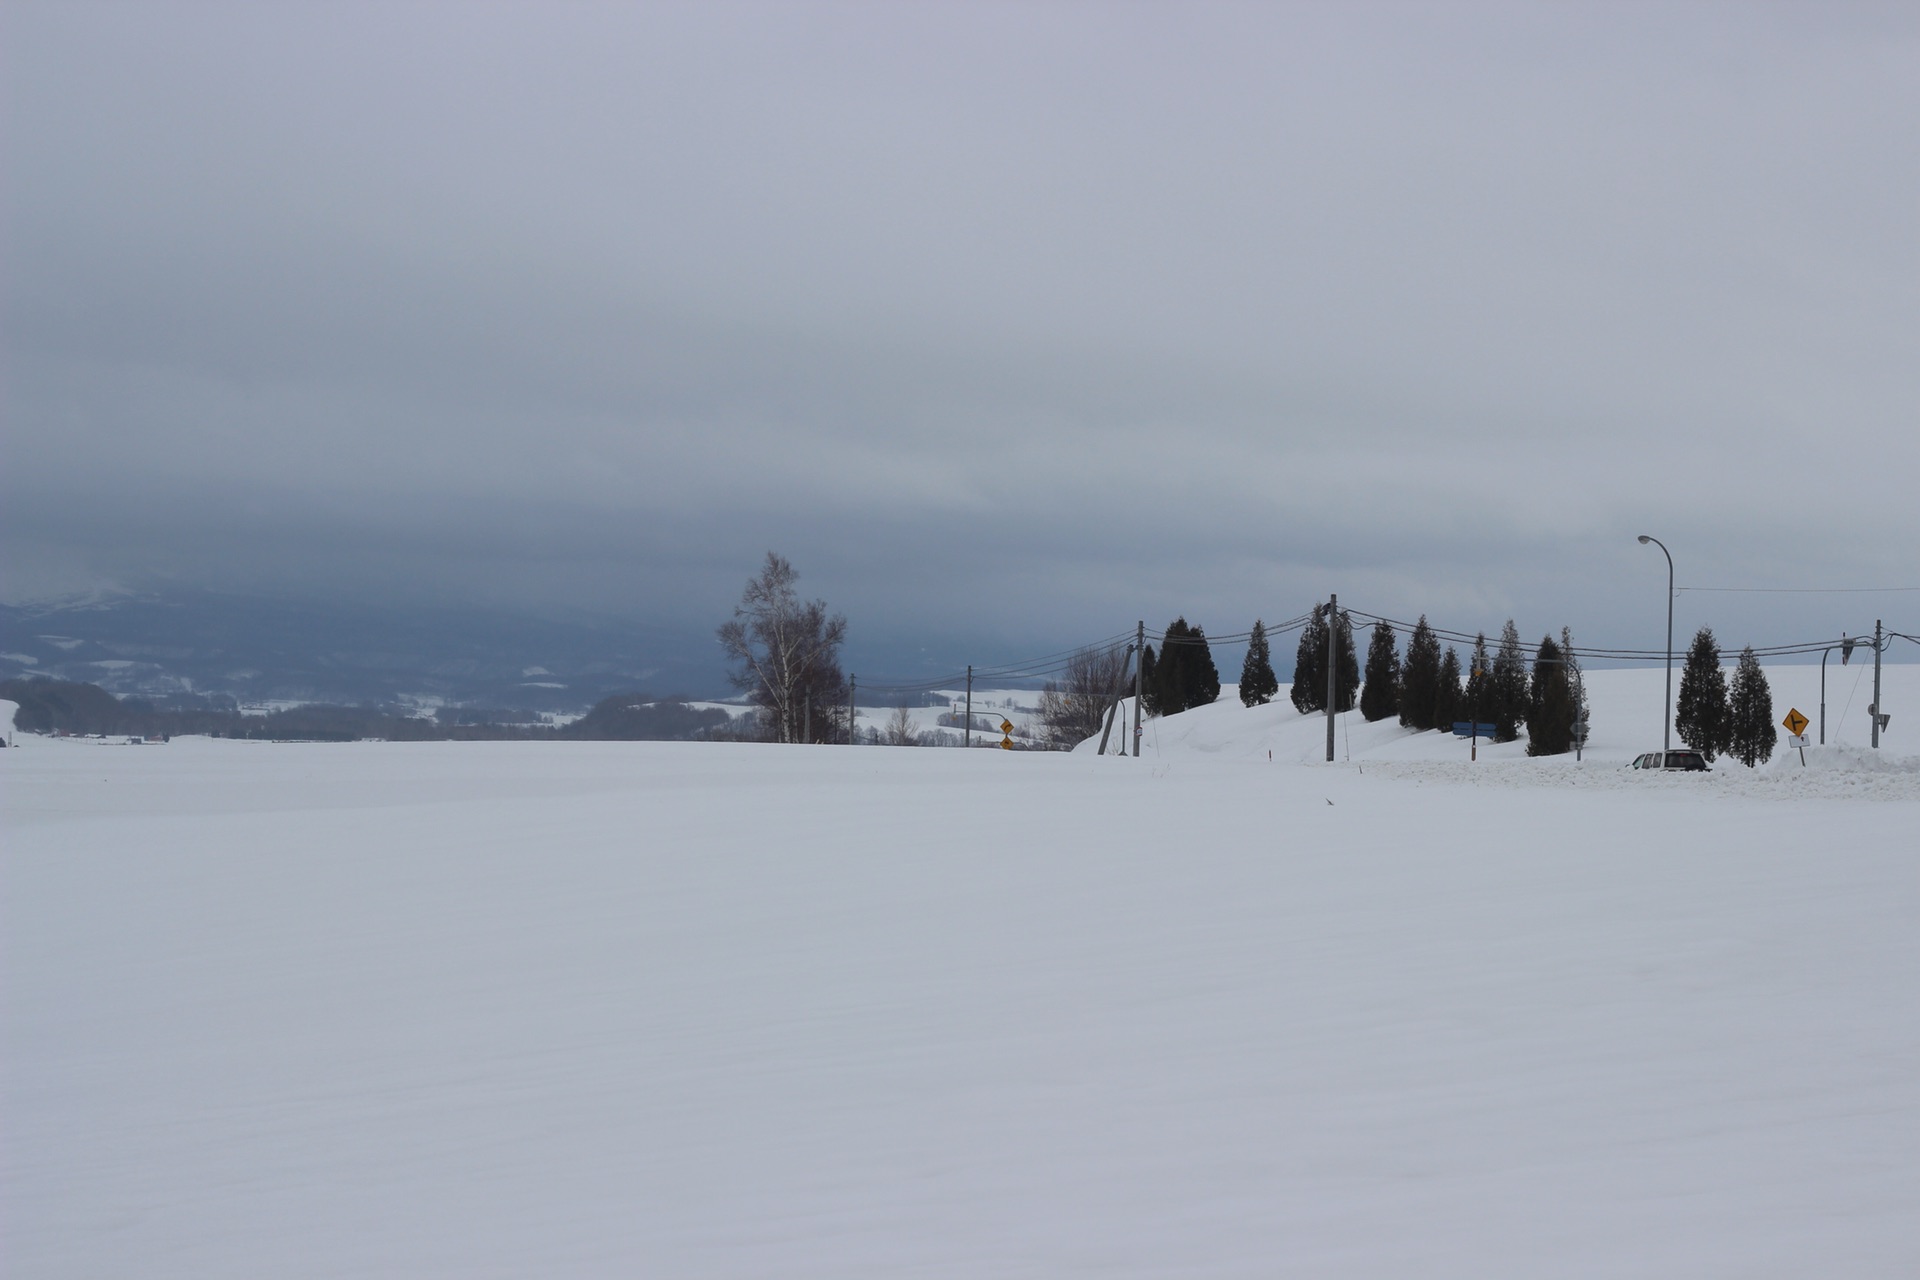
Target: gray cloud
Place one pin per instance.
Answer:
(1058, 314)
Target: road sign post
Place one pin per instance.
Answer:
(1006, 735)
(1796, 724)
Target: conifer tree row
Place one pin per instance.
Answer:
(1428, 689)
(1430, 693)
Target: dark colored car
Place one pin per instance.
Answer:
(1680, 761)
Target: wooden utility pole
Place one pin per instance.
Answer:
(853, 704)
(1140, 646)
(1879, 643)
(966, 739)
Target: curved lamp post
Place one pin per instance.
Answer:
(1667, 726)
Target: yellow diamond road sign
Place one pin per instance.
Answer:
(1795, 722)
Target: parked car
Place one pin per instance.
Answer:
(1681, 761)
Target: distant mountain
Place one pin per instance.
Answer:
(200, 648)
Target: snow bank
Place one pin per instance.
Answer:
(1839, 759)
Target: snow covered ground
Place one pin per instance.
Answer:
(592, 1009)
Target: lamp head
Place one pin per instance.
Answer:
(1644, 539)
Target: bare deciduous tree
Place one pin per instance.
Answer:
(1073, 707)
(788, 651)
(900, 731)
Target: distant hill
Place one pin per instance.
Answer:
(208, 650)
(61, 706)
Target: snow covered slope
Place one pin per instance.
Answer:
(597, 1009)
(1626, 716)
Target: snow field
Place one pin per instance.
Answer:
(584, 1009)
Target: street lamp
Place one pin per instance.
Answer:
(1667, 726)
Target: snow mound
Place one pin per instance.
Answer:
(1844, 759)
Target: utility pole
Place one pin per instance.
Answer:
(853, 703)
(1140, 646)
(1333, 648)
(966, 737)
(1878, 644)
(806, 719)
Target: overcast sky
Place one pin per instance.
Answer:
(1019, 321)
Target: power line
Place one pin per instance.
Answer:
(1613, 654)
(1803, 591)
(1060, 661)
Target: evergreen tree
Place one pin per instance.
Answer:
(1200, 678)
(1149, 702)
(1346, 684)
(1576, 681)
(1309, 692)
(1550, 704)
(1507, 692)
(1170, 679)
(1380, 694)
(1750, 735)
(1258, 684)
(1310, 664)
(1420, 679)
(1449, 700)
(1476, 697)
(1702, 714)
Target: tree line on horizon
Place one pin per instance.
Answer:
(787, 655)
(786, 652)
(1430, 688)
(51, 706)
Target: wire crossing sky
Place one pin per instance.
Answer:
(1015, 322)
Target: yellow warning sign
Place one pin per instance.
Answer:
(1006, 730)
(1795, 722)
